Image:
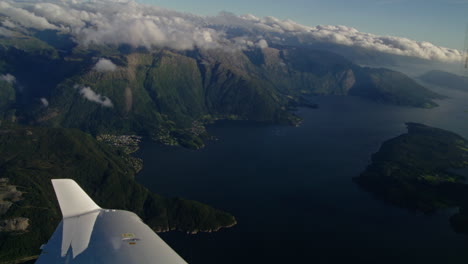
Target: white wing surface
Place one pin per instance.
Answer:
(89, 234)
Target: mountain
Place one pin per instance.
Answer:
(29, 213)
(446, 79)
(393, 87)
(163, 92)
(424, 170)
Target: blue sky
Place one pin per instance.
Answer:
(442, 22)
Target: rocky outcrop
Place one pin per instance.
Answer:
(18, 224)
(347, 80)
(8, 195)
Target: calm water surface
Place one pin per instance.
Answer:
(292, 193)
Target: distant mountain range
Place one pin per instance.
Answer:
(446, 79)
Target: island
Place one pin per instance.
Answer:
(29, 212)
(423, 170)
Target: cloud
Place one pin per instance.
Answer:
(92, 96)
(44, 102)
(115, 22)
(387, 44)
(24, 17)
(8, 24)
(8, 78)
(105, 65)
(263, 44)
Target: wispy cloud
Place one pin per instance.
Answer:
(8, 78)
(90, 95)
(44, 102)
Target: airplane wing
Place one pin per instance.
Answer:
(90, 234)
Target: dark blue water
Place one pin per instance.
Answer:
(292, 193)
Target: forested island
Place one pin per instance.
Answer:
(422, 170)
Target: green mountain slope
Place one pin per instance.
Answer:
(299, 71)
(163, 90)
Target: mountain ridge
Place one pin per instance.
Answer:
(168, 90)
(446, 79)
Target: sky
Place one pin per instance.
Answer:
(442, 22)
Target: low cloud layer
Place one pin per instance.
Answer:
(120, 22)
(92, 96)
(105, 65)
(24, 17)
(8, 78)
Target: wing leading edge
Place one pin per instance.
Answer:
(90, 234)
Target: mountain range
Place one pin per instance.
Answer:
(164, 91)
(446, 79)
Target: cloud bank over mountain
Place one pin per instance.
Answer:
(121, 22)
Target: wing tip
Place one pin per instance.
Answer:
(58, 181)
(73, 200)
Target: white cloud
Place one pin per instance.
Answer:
(8, 78)
(263, 44)
(8, 24)
(105, 65)
(121, 22)
(24, 17)
(58, 14)
(387, 44)
(92, 96)
(44, 102)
